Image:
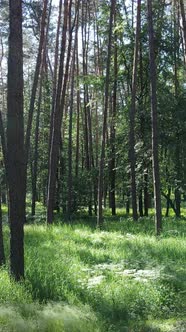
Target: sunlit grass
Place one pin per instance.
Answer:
(122, 278)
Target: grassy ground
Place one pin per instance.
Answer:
(81, 279)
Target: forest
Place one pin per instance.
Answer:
(92, 165)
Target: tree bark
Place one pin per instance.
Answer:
(15, 140)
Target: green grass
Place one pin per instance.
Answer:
(81, 279)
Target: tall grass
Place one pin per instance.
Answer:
(80, 279)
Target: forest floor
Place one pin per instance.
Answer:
(79, 279)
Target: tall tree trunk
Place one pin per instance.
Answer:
(154, 117)
(33, 97)
(15, 140)
(104, 129)
(56, 58)
(78, 114)
(132, 156)
(85, 28)
(113, 131)
(56, 124)
(35, 163)
(42, 68)
(70, 184)
(59, 110)
(176, 92)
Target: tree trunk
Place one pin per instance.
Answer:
(15, 141)
(113, 131)
(146, 195)
(128, 203)
(140, 198)
(70, 184)
(104, 129)
(87, 122)
(176, 93)
(56, 124)
(56, 58)
(168, 202)
(154, 117)
(35, 163)
(59, 110)
(78, 114)
(132, 156)
(36, 79)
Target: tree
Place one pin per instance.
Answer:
(59, 109)
(132, 113)
(15, 140)
(41, 50)
(70, 183)
(105, 113)
(112, 164)
(154, 118)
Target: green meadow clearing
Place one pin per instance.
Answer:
(80, 279)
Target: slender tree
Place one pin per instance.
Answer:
(70, 184)
(112, 164)
(105, 114)
(154, 117)
(59, 107)
(132, 156)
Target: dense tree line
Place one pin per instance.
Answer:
(100, 119)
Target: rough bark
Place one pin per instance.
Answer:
(15, 140)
